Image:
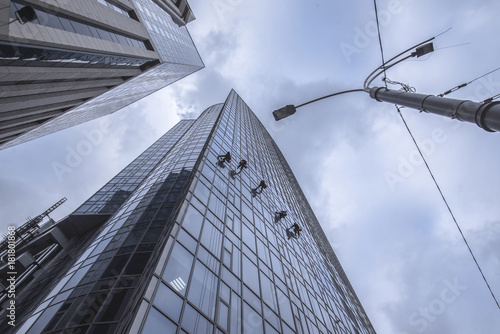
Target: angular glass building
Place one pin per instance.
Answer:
(177, 243)
(82, 59)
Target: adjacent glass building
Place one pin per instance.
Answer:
(82, 59)
(180, 245)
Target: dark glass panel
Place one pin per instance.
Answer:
(116, 304)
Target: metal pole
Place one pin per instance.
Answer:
(485, 115)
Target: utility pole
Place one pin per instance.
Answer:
(485, 115)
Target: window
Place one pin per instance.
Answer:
(192, 221)
(203, 289)
(178, 268)
(158, 323)
(168, 302)
(193, 322)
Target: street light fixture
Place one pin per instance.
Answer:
(486, 115)
(26, 14)
(423, 50)
(284, 112)
(289, 110)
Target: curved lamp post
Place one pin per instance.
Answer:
(24, 15)
(486, 115)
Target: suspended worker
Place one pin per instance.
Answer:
(296, 229)
(242, 164)
(224, 158)
(280, 214)
(262, 185)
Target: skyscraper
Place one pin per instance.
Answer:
(82, 59)
(181, 243)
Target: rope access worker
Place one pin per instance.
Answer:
(296, 229)
(280, 214)
(224, 158)
(262, 185)
(242, 164)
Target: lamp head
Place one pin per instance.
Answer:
(26, 14)
(284, 112)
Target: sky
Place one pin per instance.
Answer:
(352, 155)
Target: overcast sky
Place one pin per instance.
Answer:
(352, 155)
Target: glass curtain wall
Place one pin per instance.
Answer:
(193, 250)
(229, 266)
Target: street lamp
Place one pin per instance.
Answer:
(24, 15)
(284, 112)
(486, 115)
(289, 110)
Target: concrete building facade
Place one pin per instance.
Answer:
(82, 59)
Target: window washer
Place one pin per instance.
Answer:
(242, 164)
(262, 185)
(224, 158)
(296, 231)
(279, 215)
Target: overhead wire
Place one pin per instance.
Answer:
(490, 99)
(452, 46)
(368, 83)
(454, 89)
(386, 65)
(366, 86)
(420, 152)
(447, 206)
(379, 38)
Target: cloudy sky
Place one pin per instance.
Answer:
(352, 155)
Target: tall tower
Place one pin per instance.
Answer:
(82, 59)
(179, 243)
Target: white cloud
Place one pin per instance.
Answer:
(399, 247)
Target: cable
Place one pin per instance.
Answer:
(494, 97)
(381, 71)
(379, 38)
(452, 46)
(444, 32)
(369, 79)
(454, 89)
(404, 87)
(384, 66)
(447, 206)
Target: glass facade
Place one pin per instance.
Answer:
(230, 267)
(174, 57)
(13, 54)
(110, 197)
(121, 96)
(114, 7)
(166, 35)
(189, 249)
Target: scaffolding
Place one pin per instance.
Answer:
(28, 230)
